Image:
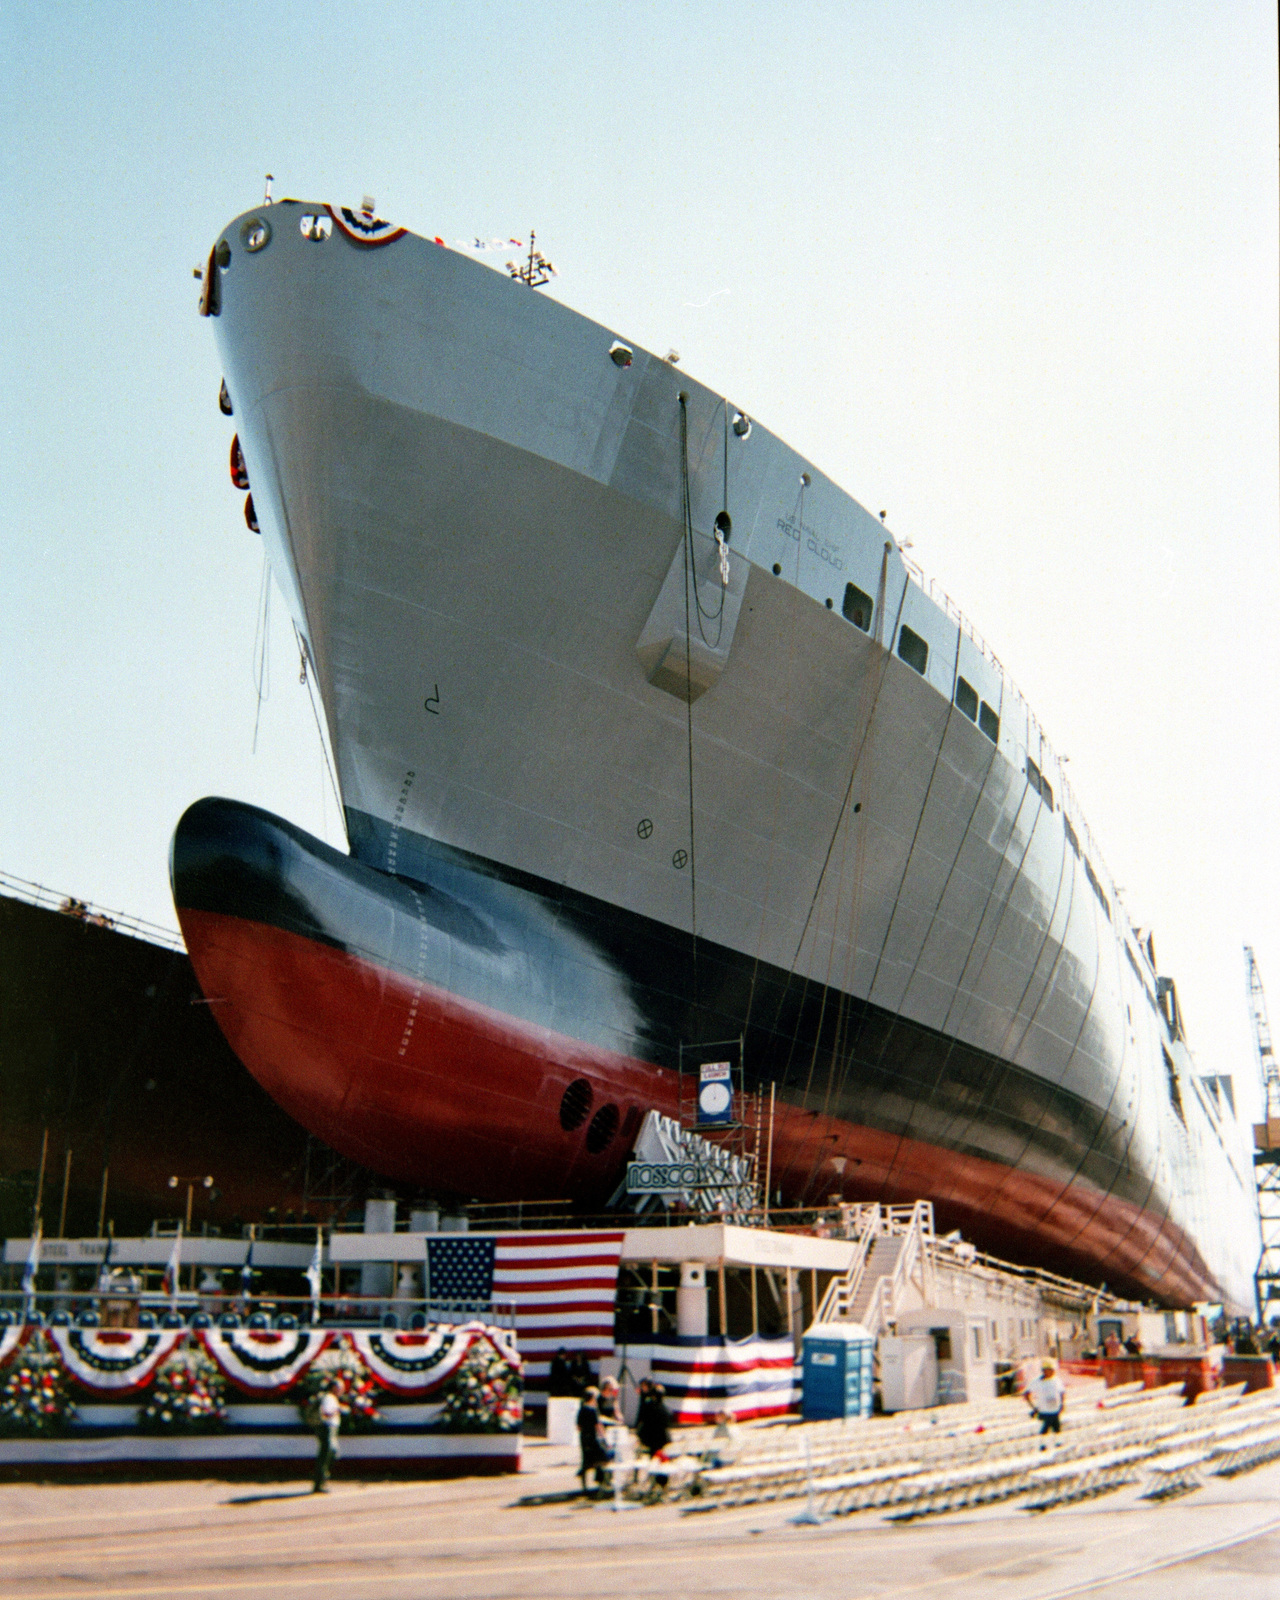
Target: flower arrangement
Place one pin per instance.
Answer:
(187, 1395)
(340, 1371)
(35, 1396)
(485, 1393)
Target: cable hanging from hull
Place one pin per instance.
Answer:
(689, 578)
(262, 647)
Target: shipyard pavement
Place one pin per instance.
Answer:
(510, 1538)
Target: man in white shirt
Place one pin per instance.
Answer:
(1046, 1398)
(328, 1415)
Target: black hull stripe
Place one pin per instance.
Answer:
(556, 958)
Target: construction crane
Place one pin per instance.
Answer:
(1266, 1140)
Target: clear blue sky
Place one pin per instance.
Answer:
(1006, 270)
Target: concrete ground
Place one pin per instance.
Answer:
(508, 1538)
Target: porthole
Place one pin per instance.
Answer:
(222, 254)
(575, 1104)
(316, 226)
(603, 1127)
(255, 234)
(777, 569)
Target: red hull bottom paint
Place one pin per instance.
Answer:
(456, 1097)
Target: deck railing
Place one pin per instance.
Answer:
(37, 894)
(190, 1308)
(914, 1225)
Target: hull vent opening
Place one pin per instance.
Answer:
(575, 1104)
(603, 1127)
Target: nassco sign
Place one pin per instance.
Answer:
(671, 1177)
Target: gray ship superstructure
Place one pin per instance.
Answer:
(649, 736)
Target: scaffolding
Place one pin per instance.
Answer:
(744, 1134)
(1266, 1140)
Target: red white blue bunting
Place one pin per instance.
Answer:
(362, 227)
(750, 1377)
(113, 1361)
(257, 1360)
(10, 1339)
(416, 1363)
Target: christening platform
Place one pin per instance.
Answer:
(434, 1401)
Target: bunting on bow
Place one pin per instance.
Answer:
(362, 227)
(258, 1359)
(113, 1361)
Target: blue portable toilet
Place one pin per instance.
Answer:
(836, 1371)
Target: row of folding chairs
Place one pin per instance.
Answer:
(955, 1436)
(1102, 1449)
(890, 1454)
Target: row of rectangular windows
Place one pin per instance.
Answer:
(1137, 972)
(858, 609)
(967, 701)
(1175, 1092)
(1096, 887)
(1039, 783)
(1089, 873)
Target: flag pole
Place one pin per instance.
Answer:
(768, 1160)
(30, 1270)
(39, 1205)
(175, 1267)
(313, 1278)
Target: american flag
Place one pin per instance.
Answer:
(564, 1286)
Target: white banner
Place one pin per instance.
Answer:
(113, 1361)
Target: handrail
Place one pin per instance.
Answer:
(339, 1310)
(913, 1224)
(837, 1302)
(38, 894)
(916, 1253)
(963, 1254)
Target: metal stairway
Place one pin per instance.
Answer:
(893, 1254)
(882, 1258)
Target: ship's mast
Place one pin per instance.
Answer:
(536, 271)
(1266, 1139)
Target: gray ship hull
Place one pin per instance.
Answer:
(498, 546)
